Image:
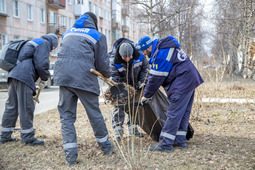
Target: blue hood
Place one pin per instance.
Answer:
(52, 39)
(85, 21)
(168, 42)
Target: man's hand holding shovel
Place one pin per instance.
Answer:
(42, 85)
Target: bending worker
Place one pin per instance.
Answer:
(129, 66)
(172, 69)
(34, 63)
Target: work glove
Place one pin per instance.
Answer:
(145, 100)
(42, 84)
(141, 85)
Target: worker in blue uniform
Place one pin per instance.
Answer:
(172, 69)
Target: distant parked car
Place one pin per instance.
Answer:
(51, 70)
(3, 78)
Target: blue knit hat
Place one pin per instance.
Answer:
(144, 43)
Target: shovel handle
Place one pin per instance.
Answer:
(37, 95)
(110, 83)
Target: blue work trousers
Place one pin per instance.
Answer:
(175, 129)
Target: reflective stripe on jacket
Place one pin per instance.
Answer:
(171, 68)
(83, 48)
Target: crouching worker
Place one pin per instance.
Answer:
(83, 48)
(34, 63)
(129, 66)
(172, 69)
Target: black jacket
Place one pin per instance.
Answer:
(136, 68)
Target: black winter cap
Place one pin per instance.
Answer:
(93, 16)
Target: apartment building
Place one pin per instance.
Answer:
(102, 9)
(28, 19)
(60, 17)
(130, 25)
(22, 19)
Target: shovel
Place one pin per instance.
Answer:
(118, 91)
(37, 95)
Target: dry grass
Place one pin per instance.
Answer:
(227, 142)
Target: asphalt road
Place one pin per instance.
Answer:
(48, 100)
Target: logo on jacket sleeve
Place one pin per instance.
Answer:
(181, 55)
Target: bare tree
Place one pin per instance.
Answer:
(180, 19)
(235, 30)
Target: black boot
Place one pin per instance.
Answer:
(34, 142)
(158, 148)
(9, 140)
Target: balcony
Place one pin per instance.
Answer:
(52, 28)
(116, 25)
(59, 4)
(125, 28)
(78, 9)
(125, 12)
(58, 30)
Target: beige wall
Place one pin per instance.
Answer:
(20, 26)
(24, 29)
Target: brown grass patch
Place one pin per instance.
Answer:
(227, 142)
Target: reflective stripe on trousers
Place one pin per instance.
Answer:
(177, 121)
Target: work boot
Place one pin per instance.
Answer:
(136, 132)
(158, 148)
(110, 150)
(9, 140)
(118, 132)
(182, 146)
(34, 142)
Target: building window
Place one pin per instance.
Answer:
(16, 8)
(63, 21)
(69, 22)
(101, 12)
(53, 19)
(42, 15)
(69, 1)
(16, 37)
(29, 12)
(116, 16)
(95, 10)
(90, 7)
(2, 6)
(116, 34)
(105, 14)
(3, 40)
(109, 16)
(75, 1)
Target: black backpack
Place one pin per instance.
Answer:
(9, 54)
